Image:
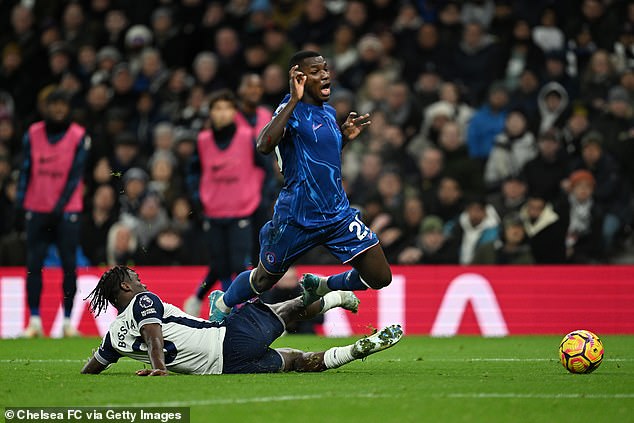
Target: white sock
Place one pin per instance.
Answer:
(66, 323)
(331, 300)
(35, 321)
(220, 303)
(323, 289)
(338, 356)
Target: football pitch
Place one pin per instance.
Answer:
(461, 379)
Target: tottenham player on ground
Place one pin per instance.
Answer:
(168, 339)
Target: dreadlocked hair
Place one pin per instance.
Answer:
(107, 288)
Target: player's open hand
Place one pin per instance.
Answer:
(151, 372)
(354, 125)
(297, 82)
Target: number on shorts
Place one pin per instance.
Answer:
(358, 226)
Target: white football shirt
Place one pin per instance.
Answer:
(192, 345)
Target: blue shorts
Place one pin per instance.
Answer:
(250, 332)
(283, 243)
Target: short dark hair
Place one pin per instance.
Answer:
(223, 95)
(298, 57)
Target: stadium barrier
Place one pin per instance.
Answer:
(427, 300)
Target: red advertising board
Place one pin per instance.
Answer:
(429, 300)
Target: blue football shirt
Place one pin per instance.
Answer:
(309, 156)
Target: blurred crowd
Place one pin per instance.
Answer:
(502, 131)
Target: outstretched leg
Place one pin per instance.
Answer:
(293, 310)
(300, 361)
(370, 270)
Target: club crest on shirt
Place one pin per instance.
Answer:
(269, 257)
(145, 301)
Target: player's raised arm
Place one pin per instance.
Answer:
(271, 134)
(153, 336)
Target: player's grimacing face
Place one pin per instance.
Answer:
(135, 281)
(317, 78)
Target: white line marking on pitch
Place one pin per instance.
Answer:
(284, 398)
(228, 401)
(511, 395)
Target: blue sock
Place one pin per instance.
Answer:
(67, 313)
(239, 291)
(35, 311)
(225, 283)
(346, 281)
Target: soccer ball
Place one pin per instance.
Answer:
(581, 351)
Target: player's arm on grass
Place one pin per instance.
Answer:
(153, 336)
(102, 357)
(93, 367)
(271, 135)
(353, 126)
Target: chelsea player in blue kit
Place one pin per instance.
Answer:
(312, 208)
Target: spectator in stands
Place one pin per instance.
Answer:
(475, 61)
(431, 246)
(250, 106)
(615, 124)
(405, 228)
(126, 153)
(597, 80)
(520, 53)
(148, 221)
(447, 201)
(122, 245)
(511, 248)
(546, 230)
(583, 237)
(316, 25)
(476, 225)
(555, 70)
(164, 180)
(546, 171)
(163, 138)
(547, 35)
(425, 45)
(50, 190)
(122, 82)
(577, 126)
(274, 82)
(553, 102)
(524, 97)
(487, 122)
(96, 224)
(513, 148)
(364, 186)
(611, 193)
(166, 249)
(511, 196)
(134, 184)
(457, 163)
(402, 110)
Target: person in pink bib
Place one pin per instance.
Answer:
(50, 191)
(225, 179)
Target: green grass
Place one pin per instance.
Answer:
(463, 379)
